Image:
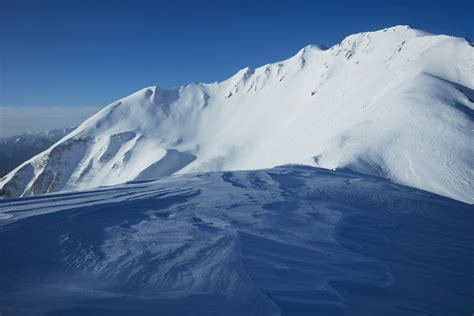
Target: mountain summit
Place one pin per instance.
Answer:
(396, 103)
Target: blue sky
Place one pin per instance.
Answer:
(89, 53)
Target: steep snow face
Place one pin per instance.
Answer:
(396, 103)
(292, 240)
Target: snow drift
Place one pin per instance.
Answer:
(396, 103)
(292, 240)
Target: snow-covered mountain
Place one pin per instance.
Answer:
(396, 103)
(15, 150)
(291, 240)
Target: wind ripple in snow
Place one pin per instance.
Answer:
(291, 240)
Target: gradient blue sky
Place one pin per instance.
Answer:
(89, 53)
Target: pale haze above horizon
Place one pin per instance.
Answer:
(25, 119)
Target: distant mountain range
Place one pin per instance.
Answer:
(17, 149)
(395, 103)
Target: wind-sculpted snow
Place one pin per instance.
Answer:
(396, 103)
(292, 240)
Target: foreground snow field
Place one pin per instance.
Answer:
(396, 103)
(292, 240)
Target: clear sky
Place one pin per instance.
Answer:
(89, 53)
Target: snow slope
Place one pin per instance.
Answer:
(396, 103)
(292, 240)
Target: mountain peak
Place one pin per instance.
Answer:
(396, 34)
(377, 90)
(312, 48)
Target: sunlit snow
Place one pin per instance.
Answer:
(396, 103)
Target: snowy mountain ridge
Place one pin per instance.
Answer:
(396, 103)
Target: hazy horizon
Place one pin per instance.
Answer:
(19, 120)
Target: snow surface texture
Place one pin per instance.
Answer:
(396, 103)
(292, 240)
(17, 149)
